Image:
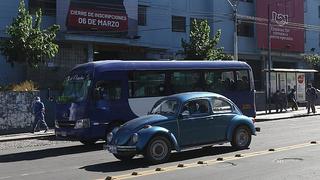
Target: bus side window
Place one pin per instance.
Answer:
(108, 90)
(242, 82)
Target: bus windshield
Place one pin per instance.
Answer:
(166, 108)
(75, 88)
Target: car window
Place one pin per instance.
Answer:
(221, 106)
(196, 107)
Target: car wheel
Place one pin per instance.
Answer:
(124, 157)
(158, 150)
(241, 138)
(88, 142)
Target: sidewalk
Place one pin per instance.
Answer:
(261, 116)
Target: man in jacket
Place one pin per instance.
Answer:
(38, 111)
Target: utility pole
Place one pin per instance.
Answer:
(234, 6)
(269, 58)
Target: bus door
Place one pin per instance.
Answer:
(109, 101)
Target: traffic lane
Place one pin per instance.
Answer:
(292, 162)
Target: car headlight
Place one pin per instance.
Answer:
(134, 138)
(82, 123)
(109, 137)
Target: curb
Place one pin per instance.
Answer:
(6, 139)
(280, 118)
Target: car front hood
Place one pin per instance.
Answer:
(123, 135)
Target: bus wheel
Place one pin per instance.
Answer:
(88, 142)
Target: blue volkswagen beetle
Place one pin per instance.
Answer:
(181, 121)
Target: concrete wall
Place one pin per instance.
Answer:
(15, 111)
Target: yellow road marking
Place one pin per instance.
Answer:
(209, 162)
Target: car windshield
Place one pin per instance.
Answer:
(75, 88)
(166, 108)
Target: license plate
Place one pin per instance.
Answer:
(112, 149)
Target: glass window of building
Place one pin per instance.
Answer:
(142, 15)
(178, 24)
(245, 29)
(48, 7)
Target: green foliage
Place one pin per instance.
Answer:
(201, 45)
(27, 43)
(314, 60)
(23, 86)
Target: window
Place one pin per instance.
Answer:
(146, 84)
(245, 29)
(219, 81)
(220, 106)
(196, 107)
(249, 1)
(319, 11)
(48, 7)
(242, 81)
(305, 6)
(108, 90)
(142, 15)
(178, 24)
(185, 81)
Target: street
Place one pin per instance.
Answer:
(294, 157)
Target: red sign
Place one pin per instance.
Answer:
(286, 19)
(91, 19)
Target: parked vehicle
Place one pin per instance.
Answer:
(182, 121)
(99, 96)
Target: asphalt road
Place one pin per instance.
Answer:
(294, 157)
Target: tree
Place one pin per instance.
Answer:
(314, 60)
(201, 45)
(27, 43)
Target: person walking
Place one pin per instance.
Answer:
(283, 100)
(277, 100)
(292, 100)
(38, 111)
(311, 96)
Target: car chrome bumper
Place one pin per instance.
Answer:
(119, 149)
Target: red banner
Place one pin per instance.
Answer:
(91, 19)
(286, 19)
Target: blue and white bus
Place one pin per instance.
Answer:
(99, 96)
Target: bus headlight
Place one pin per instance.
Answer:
(56, 124)
(82, 123)
(134, 138)
(109, 137)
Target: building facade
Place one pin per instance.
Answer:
(152, 29)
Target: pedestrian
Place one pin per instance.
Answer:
(38, 111)
(283, 100)
(277, 100)
(311, 96)
(292, 100)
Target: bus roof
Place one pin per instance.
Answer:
(118, 65)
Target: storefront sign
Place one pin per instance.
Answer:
(114, 16)
(286, 17)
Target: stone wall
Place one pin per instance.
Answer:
(15, 111)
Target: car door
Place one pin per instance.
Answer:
(195, 123)
(223, 112)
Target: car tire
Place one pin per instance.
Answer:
(88, 142)
(123, 157)
(241, 138)
(158, 150)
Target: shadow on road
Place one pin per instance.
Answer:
(141, 163)
(45, 153)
